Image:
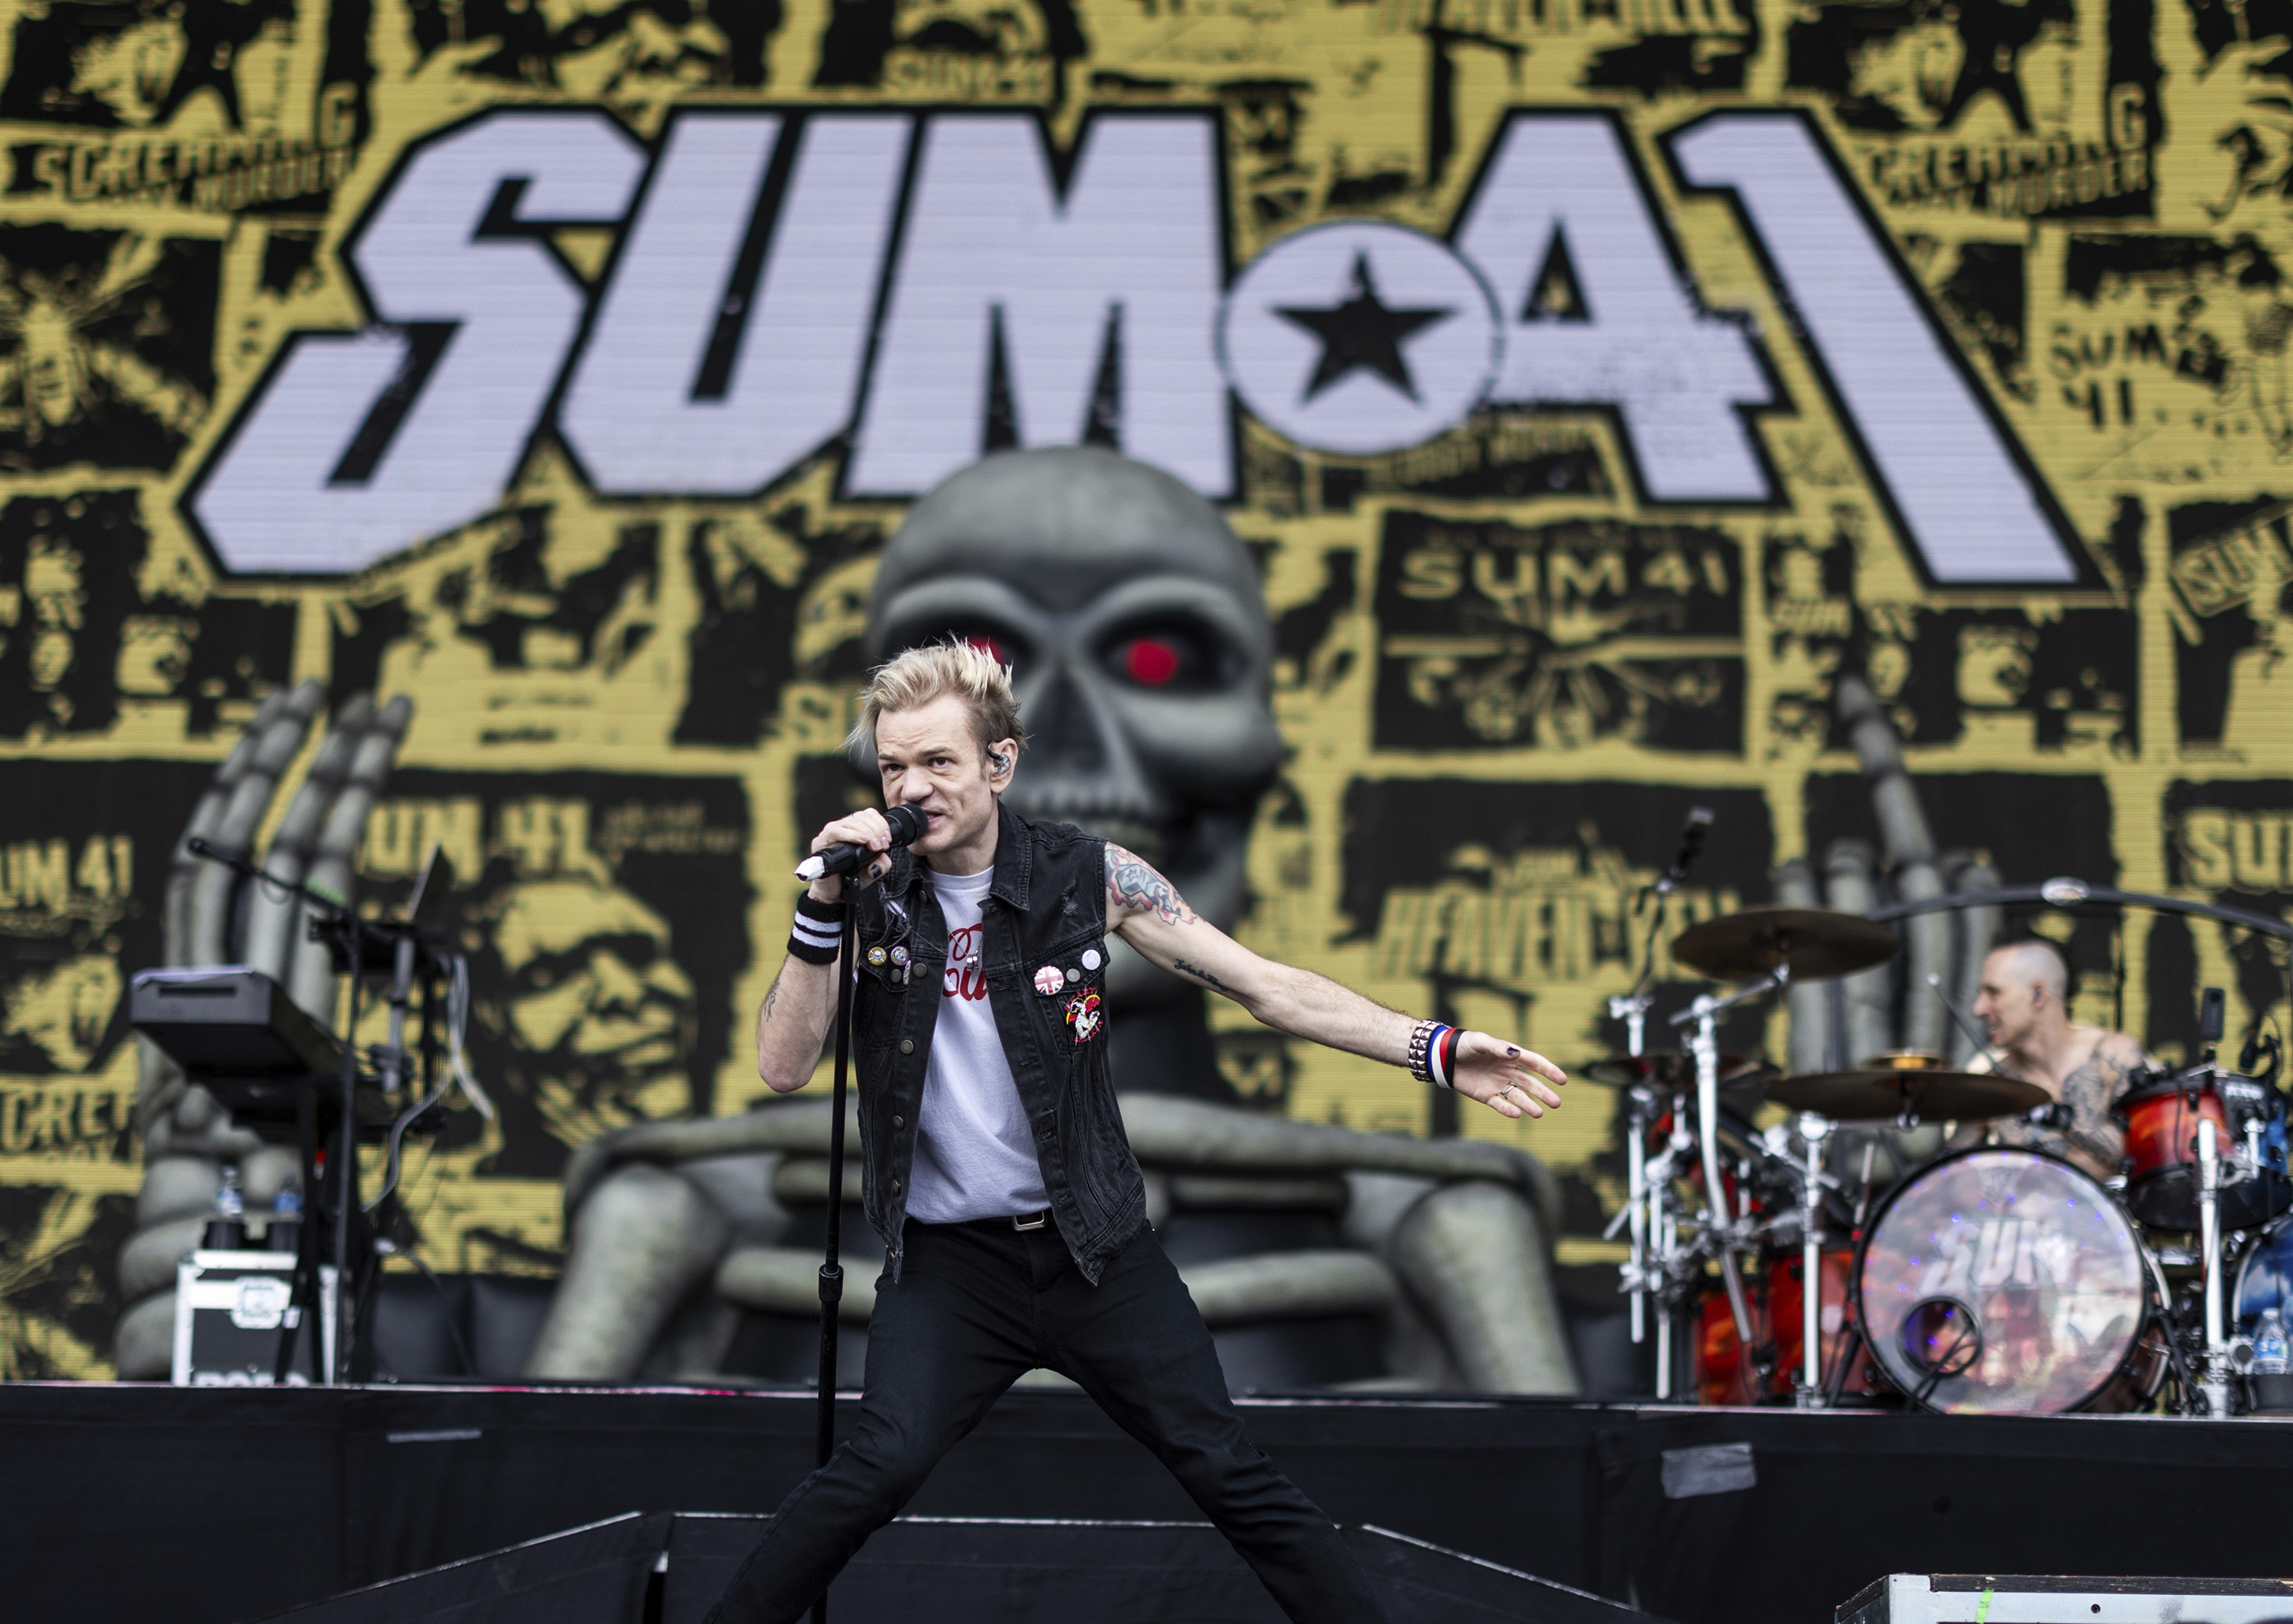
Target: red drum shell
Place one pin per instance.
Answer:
(2161, 1156)
(1838, 1268)
(1773, 1298)
(2162, 1151)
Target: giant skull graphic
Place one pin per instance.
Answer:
(1130, 617)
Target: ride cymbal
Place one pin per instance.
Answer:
(1817, 943)
(1879, 1096)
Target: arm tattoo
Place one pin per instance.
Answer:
(2089, 1091)
(772, 997)
(1135, 884)
(1199, 974)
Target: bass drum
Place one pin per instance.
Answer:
(2003, 1282)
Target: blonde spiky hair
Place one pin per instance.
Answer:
(920, 676)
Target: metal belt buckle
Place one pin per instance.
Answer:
(1025, 1221)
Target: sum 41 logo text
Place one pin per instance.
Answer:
(782, 279)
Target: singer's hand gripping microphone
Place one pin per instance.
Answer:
(908, 823)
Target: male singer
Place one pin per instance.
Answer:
(997, 1171)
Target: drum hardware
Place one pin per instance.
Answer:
(1704, 1014)
(1813, 1130)
(1764, 948)
(2215, 1381)
(1632, 1008)
(1852, 1341)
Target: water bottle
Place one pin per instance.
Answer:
(227, 1223)
(2271, 1354)
(285, 1232)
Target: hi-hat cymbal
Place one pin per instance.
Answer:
(1882, 1095)
(1673, 1072)
(1817, 942)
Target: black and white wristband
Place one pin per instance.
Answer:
(818, 930)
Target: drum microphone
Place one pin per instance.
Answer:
(908, 823)
(1691, 842)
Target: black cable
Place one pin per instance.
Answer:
(453, 1326)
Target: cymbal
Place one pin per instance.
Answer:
(1670, 1070)
(1881, 1095)
(1817, 943)
(1904, 1059)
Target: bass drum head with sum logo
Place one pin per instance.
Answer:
(2001, 1282)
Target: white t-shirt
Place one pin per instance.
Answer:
(975, 1154)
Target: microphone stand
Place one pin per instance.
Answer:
(831, 1272)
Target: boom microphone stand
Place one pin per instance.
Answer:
(831, 1272)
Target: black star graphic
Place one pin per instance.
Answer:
(1362, 332)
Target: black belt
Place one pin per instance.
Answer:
(1017, 1220)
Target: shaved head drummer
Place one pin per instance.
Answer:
(2024, 1006)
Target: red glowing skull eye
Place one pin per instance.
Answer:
(992, 647)
(1151, 660)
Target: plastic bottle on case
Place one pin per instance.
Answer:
(2270, 1353)
(227, 1223)
(285, 1222)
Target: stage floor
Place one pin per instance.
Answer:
(211, 1506)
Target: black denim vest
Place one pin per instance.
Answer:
(1044, 922)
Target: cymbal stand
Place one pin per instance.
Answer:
(1705, 1045)
(1636, 1203)
(1807, 1394)
(2216, 1380)
(1659, 1269)
(1632, 1008)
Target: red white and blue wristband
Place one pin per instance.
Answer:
(1433, 1053)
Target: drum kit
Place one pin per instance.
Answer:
(1995, 1280)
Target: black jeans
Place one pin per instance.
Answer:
(978, 1306)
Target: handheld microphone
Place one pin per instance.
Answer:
(908, 823)
(1691, 842)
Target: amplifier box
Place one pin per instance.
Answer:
(2025, 1598)
(230, 1310)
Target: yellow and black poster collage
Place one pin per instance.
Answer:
(1597, 385)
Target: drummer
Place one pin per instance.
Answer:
(2024, 1006)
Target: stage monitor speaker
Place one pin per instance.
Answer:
(665, 1569)
(600, 1574)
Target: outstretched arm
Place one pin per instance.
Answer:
(1147, 911)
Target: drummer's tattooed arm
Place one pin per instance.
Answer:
(2089, 1090)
